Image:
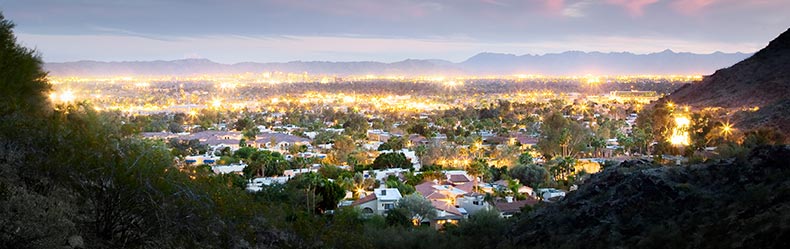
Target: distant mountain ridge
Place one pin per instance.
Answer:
(566, 63)
(762, 80)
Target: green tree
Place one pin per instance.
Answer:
(343, 146)
(22, 78)
(182, 148)
(308, 183)
(243, 124)
(399, 217)
(325, 137)
(419, 207)
(356, 126)
(392, 160)
(333, 172)
(420, 151)
(476, 169)
(525, 159)
(484, 229)
(251, 134)
(393, 182)
(421, 128)
(394, 144)
(531, 175)
(384, 146)
(561, 136)
(562, 168)
(265, 163)
(244, 152)
(330, 194)
(762, 136)
(597, 143)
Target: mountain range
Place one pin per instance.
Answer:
(566, 63)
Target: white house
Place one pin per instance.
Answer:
(381, 200)
(472, 203)
(228, 169)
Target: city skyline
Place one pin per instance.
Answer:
(387, 31)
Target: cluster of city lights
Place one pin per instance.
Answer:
(66, 96)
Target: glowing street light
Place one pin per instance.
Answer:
(726, 129)
(65, 97)
(216, 103)
(680, 134)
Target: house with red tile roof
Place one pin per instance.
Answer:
(458, 179)
(509, 207)
(446, 212)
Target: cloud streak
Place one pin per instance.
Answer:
(232, 49)
(634, 7)
(691, 6)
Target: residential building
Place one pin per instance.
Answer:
(378, 202)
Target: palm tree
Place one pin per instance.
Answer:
(563, 168)
(309, 182)
(476, 169)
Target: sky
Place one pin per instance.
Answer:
(231, 31)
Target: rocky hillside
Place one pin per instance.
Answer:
(762, 80)
(727, 204)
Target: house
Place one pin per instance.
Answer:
(158, 135)
(378, 135)
(446, 212)
(503, 184)
(231, 139)
(509, 207)
(382, 174)
(201, 159)
(257, 184)
(472, 203)
(278, 141)
(372, 145)
(228, 169)
(291, 173)
(445, 199)
(526, 141)
(416, 139)
(381, 200)
(458, 179)
(550, 194)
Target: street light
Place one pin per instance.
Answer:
(680, 134)
(726, 129)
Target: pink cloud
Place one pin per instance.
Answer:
(634, 7)
(691, 6)
(555, 6)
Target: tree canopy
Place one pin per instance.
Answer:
(22, 78)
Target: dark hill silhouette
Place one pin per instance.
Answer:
(762, 80)
(725, 204)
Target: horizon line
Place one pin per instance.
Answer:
(407, 59)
